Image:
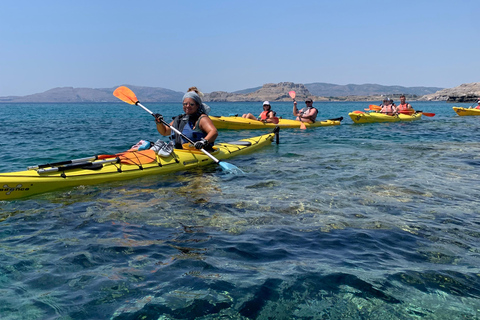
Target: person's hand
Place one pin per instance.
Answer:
(158, 117)
(294, 103)
(201, 144)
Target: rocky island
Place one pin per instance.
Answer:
(467, 92)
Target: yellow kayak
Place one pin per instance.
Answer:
(466, 111)
(123, 166)
(238, 123)
(373, 117)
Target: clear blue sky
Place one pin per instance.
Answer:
(234, 45)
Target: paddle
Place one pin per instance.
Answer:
(426, 114)
(374, 107)
(125, 157)
(292, 95)
(126, 95)
(407, 112)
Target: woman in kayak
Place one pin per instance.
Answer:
(194, 123)
(307, 114)
(388, 107)
(405, 107)
(268, 115)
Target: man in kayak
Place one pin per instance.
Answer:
(405, 107)
(307, 114)
(194, 123)
(268, 115)
(388, 107)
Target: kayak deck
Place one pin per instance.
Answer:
(374, 117)
(127, 165)
(239, 123)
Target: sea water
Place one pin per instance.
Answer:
(372, 221)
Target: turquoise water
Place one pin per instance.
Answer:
(374, 221)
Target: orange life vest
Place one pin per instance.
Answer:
(387, 110)
(264, 116)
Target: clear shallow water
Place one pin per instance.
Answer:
(375, 221)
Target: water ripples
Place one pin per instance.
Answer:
(358, 221)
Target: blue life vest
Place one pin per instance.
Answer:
(183, 124)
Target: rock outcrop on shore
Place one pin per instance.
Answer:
(467, 92)
(269, 91)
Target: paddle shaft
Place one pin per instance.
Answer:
(77, 165)
(68, 162)
(178, 132)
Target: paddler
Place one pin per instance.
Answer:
(405, 107)
(388, 107)
(194, 123)
(267, 115)
(307, 114)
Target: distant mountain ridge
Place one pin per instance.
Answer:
(74, 95)
(275, 92)
(368, 89)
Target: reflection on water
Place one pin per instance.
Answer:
(375, 221)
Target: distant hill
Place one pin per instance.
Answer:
(275, 92)
(72, 95)
(246, 91)
(336, 90)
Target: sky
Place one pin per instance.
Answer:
(234, 45)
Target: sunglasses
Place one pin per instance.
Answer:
(308, 101)
(189, 104)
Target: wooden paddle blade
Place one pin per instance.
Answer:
(374, 107)
(303, 126)
(126, 95)
(292, 94)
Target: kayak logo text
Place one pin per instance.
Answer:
(12, 189)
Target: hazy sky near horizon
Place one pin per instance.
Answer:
(234, 45)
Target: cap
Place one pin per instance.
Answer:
(478, 101)
(266, 103)
(308, 100)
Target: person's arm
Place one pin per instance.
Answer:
(269, 117)
(296, 113)
(161, 128)
(206, 125)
